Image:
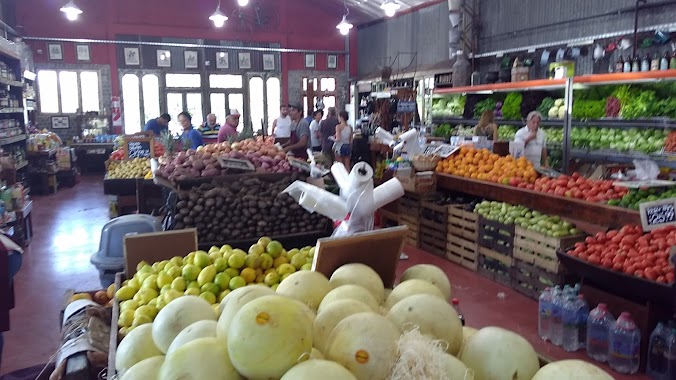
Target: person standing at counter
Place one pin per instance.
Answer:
(533, 139)
(299, 141)
(486, 126)
(190, 136)
(158, 124)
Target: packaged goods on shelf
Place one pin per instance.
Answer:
(43, 141)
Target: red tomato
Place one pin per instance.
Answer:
(584, 256)
(590, 240)
(606, 263)
(650, 274)
(631, 269)
(611, 234)
(670, 277)
(662, 279)
(617, 266)
(639, 273)
(595, 259)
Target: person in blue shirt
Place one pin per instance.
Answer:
(158, 125)
(190, 136)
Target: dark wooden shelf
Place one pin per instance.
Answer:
(12, 140)
(575, 209)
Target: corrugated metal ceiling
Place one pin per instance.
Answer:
(364, 11)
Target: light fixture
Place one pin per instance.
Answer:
(71, 10)
(344, 26)
(218, 17)
(390, 7)
(243, 3)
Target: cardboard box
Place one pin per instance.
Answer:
(157, 246)
(416, 182)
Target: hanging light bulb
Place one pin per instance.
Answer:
(390, 8)
(218, 17)
(71, 10)
(243, 3)
(344, 26)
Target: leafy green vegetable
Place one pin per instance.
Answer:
(511, 107)
(545, 106)
(589, 109)
(444, 130)
(486, 104)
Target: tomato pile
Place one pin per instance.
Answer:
(632, 252)
(576, 186)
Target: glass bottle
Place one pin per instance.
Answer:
(645, 63)
(627, 65)
(619, 65)
(655, 63)
(636, 64)
(664, 62)
(672, 61)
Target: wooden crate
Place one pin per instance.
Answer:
(462, 252)
(540, 250)
(496, 236)
(462, 223)
(432, 236)
(494, 270)
(409, 205)
(530, 280)
(434, 212)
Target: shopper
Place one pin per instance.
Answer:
(281, 127)
(533, 139)
(190, 137)
(343, 140)
(14, 259)
(229, 130)
(314, 130)
(158, 124)
(487, 127)
(210, 127)
(328, 128)
(299, 139)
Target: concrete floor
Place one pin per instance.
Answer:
(67, 230)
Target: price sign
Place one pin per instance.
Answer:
(405, 106)
(658, 214)
(233, 163)
(138, 147)
(446, 150)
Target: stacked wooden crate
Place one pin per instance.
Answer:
(409, 215)
(536, 265)
(461, 240)
(433, 228)
(495, 250)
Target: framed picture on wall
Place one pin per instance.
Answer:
(163, 58)
(190, 57)
(222, 60)
(268, 61)
(82, 52)
(60, 122)
(244, 60)
(309, 60)
(132, 57)
(55, 51)
(332, 61)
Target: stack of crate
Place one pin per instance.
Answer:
(536, 265)
(495, 250)
(461, 240)
(409, 215)
(433, 228)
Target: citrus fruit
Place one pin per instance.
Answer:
(237, 259)
(237, 282)
(190, 272)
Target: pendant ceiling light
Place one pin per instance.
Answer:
(390, 7)
(243, 3)
(344, 26)
(71, 10)
(218, 17)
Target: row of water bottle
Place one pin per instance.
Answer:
(565, 320)
(662, 352)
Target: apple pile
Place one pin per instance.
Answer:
(576, 186)
(630, 251)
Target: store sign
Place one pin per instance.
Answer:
(116, 111)
(443, 80)
(405, 106)
(138, 147)
(658, 214)
(233, 163)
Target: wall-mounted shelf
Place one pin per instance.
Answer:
(11, 110)
(12, 140)
(13, 83)
(529, 85)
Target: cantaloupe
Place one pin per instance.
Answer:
(362, 275)
(429, 273)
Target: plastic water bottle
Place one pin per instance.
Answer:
(658, 363)
(582, 315)
(556, 323)
(670, 333)
(576, 288)
(544, 313)
(598, 332)
(625, 345)
(569, 339)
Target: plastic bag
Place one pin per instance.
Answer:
(644, 170)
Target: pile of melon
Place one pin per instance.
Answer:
(342, 328)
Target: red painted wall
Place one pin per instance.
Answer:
(303, 25)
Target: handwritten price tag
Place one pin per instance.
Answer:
(658, 214)
(233, 163)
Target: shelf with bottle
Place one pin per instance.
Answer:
(634, 64)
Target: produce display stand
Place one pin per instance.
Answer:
(289, 240)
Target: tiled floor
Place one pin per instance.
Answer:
(67, 229)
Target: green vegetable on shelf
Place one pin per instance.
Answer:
(444, 130)
(589, 109)
(545, 106)
(511, 107)
(486, 104)
(448, 106)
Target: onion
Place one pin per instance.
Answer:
(366, 344)
(571, 370)
(148, 369)
(310, 288)
(138, 345)
(354, 292)
(434, 317)
(362, 275)
(318, 369)
(494, 353)
(409, 288)
(429, 273)
(329, 318)
(268, 336)
(176, 316)
(234, 301)
(205, 358)
(201, 329)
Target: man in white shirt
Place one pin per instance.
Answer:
(316, 133)
(534, 140)
(281, 127)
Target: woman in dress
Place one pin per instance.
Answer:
(487, 127)
(343, 140)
